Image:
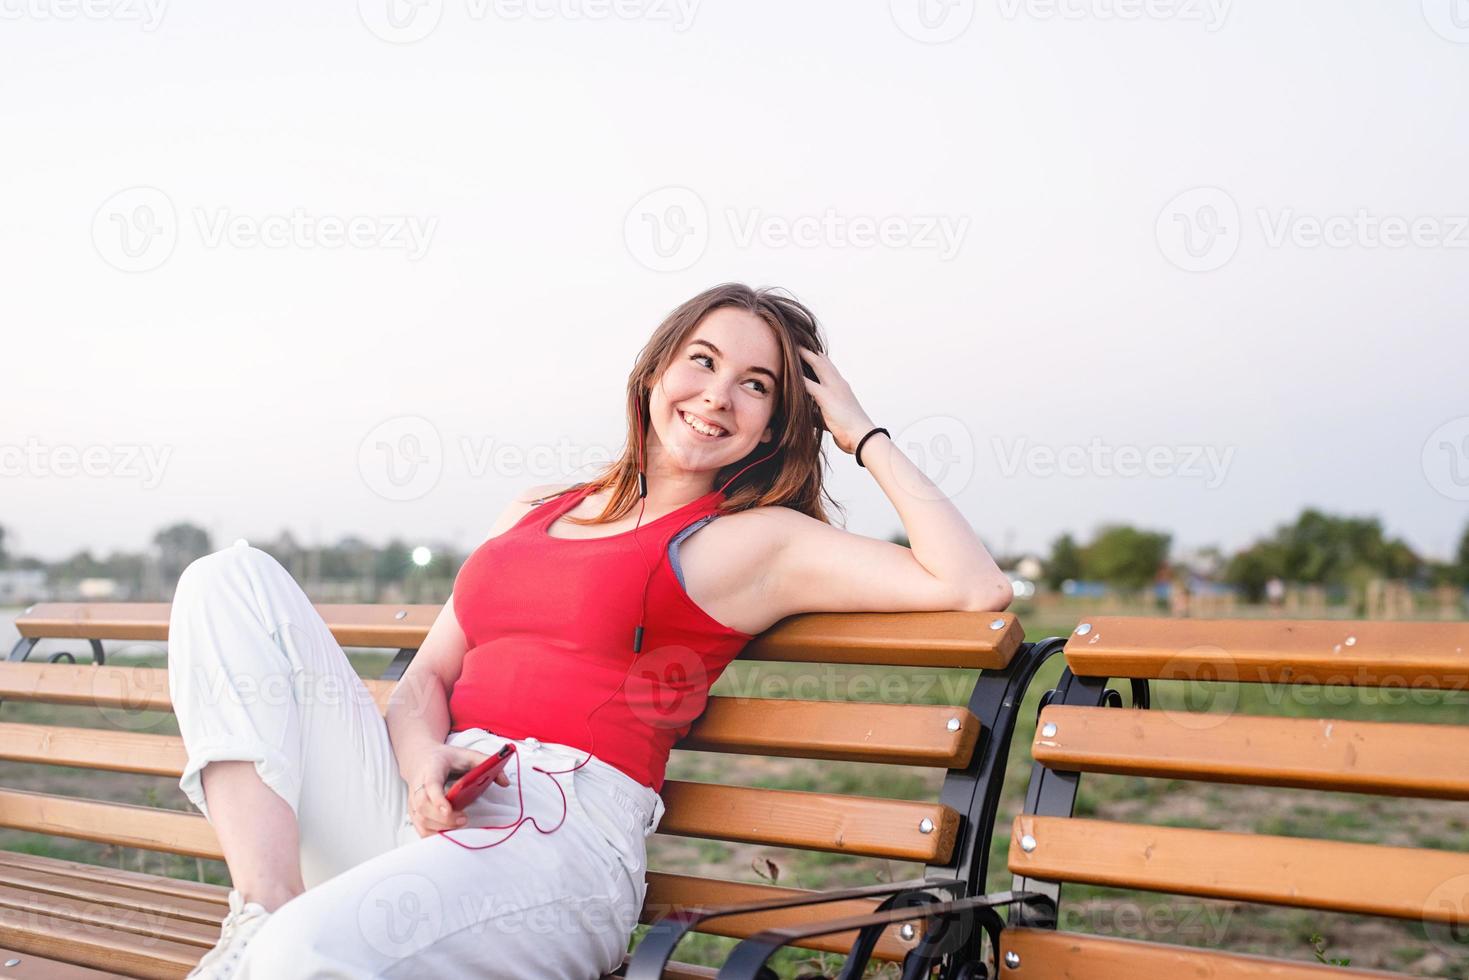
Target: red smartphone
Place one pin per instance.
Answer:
(468, 787)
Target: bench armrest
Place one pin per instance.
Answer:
(652, 955)
(747, 961)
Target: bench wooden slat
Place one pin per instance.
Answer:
(141, 882)
(1310, 753)
(353, 625)
(786, 818)
(95, 620)
(150, 828)
(670, 892)
(900, 734)
(818, 821)
(1402, 882)
(1326, 651)
(124, 953)
(98, 890)
(916, 639)
(89, 916)
(851, 731)
(35, 967)
(92, 748)
(1048, 955)
(104, 686)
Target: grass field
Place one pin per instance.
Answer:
(1367, 942)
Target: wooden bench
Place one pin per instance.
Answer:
(55, 912)
(1082, 728)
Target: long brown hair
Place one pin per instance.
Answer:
(792, 477)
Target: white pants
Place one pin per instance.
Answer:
(255, 674)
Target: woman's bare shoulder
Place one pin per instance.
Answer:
(726, 565)
(747, 539)
(751, 539)
(772, 520)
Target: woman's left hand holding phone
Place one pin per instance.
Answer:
(427, 806)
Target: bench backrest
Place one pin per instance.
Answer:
(1082, 730)
(946, 741)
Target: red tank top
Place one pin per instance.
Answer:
(550, 624)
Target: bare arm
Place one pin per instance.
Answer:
(815, 567)
(941, 539)
(418, 708)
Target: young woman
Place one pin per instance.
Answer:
(584, 631)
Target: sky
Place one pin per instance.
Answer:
(372, 268)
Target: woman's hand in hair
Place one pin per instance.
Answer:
(844, 417)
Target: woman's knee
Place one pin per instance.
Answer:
(219, 592)
(222, 565)
(240, 575)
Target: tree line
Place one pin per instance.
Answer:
(1316, 549)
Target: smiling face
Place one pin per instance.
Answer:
(726, 374)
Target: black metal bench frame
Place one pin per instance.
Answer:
(939, 898)
(1031, 902)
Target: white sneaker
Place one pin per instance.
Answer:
(239, 927)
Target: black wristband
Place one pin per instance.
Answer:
(869, 435)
